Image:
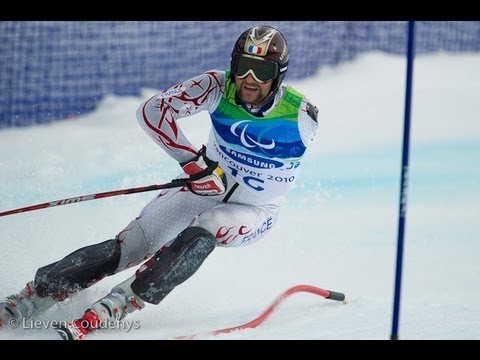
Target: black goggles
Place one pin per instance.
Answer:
(261, 70)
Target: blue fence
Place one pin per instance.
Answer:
(57, 70)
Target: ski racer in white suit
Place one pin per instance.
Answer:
(260, 131)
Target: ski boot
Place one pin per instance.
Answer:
(24, 305)
(104, 313)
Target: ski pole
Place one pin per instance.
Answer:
(172, 184)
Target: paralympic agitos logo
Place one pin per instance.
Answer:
(246, 139)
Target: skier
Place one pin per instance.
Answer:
(260, 131)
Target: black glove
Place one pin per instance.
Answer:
(206, 177)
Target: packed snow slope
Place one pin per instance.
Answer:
(337, 229)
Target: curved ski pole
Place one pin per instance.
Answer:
(172, 184)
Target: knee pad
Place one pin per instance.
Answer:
(167, 269)
(78, 270)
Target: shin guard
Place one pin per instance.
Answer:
(78, 270)
(167, 269)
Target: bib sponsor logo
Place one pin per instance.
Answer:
(251, 160)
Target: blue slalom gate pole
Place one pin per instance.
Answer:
(403, 181)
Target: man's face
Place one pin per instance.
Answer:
(251, 91)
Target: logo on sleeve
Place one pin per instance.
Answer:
(171, 92)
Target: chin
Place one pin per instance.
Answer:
(249, 101)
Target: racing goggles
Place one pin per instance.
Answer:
(261, 70)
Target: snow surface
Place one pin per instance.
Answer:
(337, 231)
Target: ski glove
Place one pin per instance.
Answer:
(206, 177)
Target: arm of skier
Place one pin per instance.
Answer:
(159, 116)
(307, 121)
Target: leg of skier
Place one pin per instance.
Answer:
(232, 224)
(57, 281)
(82, 268)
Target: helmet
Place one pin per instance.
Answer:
(262, 51)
